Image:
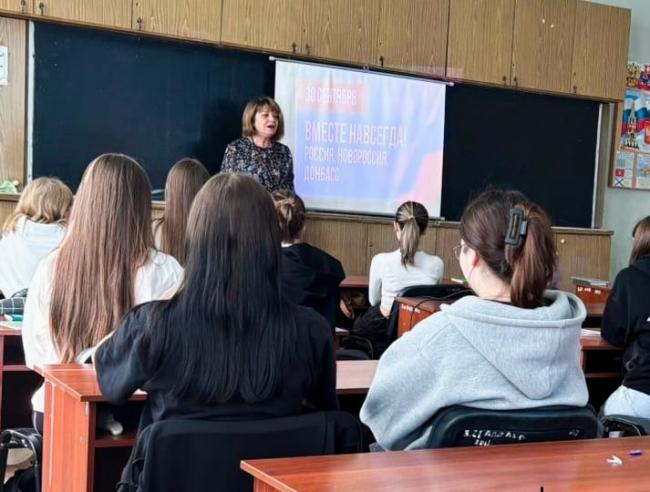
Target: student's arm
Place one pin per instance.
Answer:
(122, 361)
(374, 282)
(37, 340)
(616, 322)
(323, 390)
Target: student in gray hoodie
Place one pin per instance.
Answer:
(513, 345)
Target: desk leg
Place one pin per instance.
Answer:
(68, 442)
(259, 486)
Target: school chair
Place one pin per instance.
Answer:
(459, 425)
(186, 455)
(23, 438)
(625, 425)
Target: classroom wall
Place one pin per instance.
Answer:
(623, 208)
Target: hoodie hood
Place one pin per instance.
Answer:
(643, 265)
(508, 338)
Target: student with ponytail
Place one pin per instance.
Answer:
(391, 272)
(513, 345)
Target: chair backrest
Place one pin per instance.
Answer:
(438, 292)
(464, 426)
(625, 425)
(187, 455)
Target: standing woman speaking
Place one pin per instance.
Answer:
(258, 151)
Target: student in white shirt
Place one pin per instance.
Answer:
(184, 181)
(390, 273)
(32, 231)
(106, 265)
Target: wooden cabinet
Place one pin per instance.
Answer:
(341, 29)
(582, 255)
(543, 44)
(413, 36)
(480, 40)
(275, 26)
(193, 19)
(600, 53)
(22, 6)
(13, 101)
(113, 13)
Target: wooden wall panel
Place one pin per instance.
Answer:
(194, 19)
(600, 52)
(6, 207)
(13, 101)
(114, 13)
(22, 6)
(480, 40)
(341, 30)
(275, 26)
(413, 35)
(542, 53)
(447, 238)
(582, 255)
(345, 240)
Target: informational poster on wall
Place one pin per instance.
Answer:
(631, 168)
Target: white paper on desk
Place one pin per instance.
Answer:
(4, 65)
(589, 333)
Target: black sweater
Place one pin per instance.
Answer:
(626, 322)
(311, 277)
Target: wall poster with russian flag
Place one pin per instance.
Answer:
(362, 142)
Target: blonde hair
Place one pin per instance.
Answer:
(45, 201)
(109, 238)
(252, 108)
(184, 181)
(291, 214)
(641, 243)
(412, 218)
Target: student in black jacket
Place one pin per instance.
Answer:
(309, 277)
(225, 345)
(626, 323)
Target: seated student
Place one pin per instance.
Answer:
(626, 323)
(391, 272)
(105, 265)
(32, 231)
(184, 181)
(512, 346)
(227, 344)
(309, 276)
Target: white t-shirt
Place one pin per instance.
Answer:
(152, 280)
(22, 250)
(388, 277)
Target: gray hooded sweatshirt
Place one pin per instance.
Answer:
(477, 353)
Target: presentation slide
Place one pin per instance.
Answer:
(362, 142)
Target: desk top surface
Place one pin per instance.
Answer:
(10, 328)
(80, 381)
(566, 465)
(354, 282)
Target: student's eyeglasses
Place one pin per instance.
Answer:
(457, 249)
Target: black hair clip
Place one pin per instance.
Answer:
(517, 226)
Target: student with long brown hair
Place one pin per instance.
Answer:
(32, 231)
(626, 323)
(390, 273)
(310, 276)
(513, 345)
(225, 346)
(184, 181)
(105, 265)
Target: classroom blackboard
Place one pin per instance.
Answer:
(155, 100)
(158, 100)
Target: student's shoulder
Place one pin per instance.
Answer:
(386, 257)
(310, 321)
(162, 261)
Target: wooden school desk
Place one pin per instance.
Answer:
(17, 381)
(564, 465)
(77, 457)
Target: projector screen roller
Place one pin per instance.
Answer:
(362, 142)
